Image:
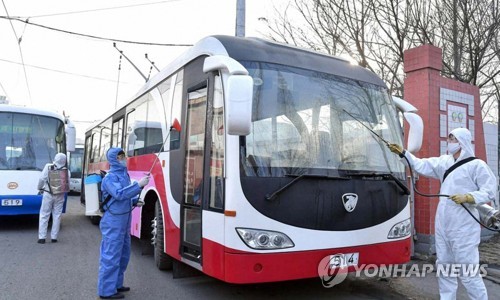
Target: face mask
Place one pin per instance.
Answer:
(453, 147)
(123, 163)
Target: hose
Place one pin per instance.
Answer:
(413, 179)
(119, 214)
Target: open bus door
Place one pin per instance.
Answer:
(194, 174)
(204, 146)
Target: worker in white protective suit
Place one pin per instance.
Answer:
(53, 190)
(457, 233)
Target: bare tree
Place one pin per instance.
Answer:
(393, 35)
(375, 33)
(334, 27)
(469, 32)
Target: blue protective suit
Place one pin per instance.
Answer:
(115, 225)
(457, 233)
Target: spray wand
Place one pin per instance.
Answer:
(491, 216)
(371, 130)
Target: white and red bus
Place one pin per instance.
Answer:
(274, 168)
(29, 139)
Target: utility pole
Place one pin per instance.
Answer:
(240, 18)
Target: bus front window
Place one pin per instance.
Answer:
(305, 121)
(28, 142)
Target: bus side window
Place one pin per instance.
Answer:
(175, 139)
(105, 140)
(176, 113)
(217, 148)
(117, 132)
(144, 134)
(96, 138)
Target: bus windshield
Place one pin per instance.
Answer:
(28, 142)
(305, 121)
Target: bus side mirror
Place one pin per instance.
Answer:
(239, 95)
(70, 136)
(416, 130)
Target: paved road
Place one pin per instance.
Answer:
(68, 270)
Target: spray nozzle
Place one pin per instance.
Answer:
(176, 125)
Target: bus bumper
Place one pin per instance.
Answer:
(75, 185)
(268, 267)
(30, 205)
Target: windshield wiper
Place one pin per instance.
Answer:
(273, 195)
(398, 182)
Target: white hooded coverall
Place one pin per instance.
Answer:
(457, 233)
(51, 203)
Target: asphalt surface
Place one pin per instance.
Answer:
(427, 287)
(68, 270)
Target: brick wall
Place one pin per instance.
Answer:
(443, 104)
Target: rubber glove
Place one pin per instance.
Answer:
(144, 181)
(462, 198)
(395, 148)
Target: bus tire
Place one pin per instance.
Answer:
(95, 220)
(163, 260)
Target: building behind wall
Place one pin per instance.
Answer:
(491, 141)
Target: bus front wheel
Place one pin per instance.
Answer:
(163, 261)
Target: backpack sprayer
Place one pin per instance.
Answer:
(489, 216)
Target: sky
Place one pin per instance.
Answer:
(80, 75)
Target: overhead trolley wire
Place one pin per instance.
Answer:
(65, 72)
(98, 9)
(18, 42)
(93, 36)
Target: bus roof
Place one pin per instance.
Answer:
(29, 110)
(283, 54)
(261, 51)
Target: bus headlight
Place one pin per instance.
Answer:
(400, 230)
(264, 239)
